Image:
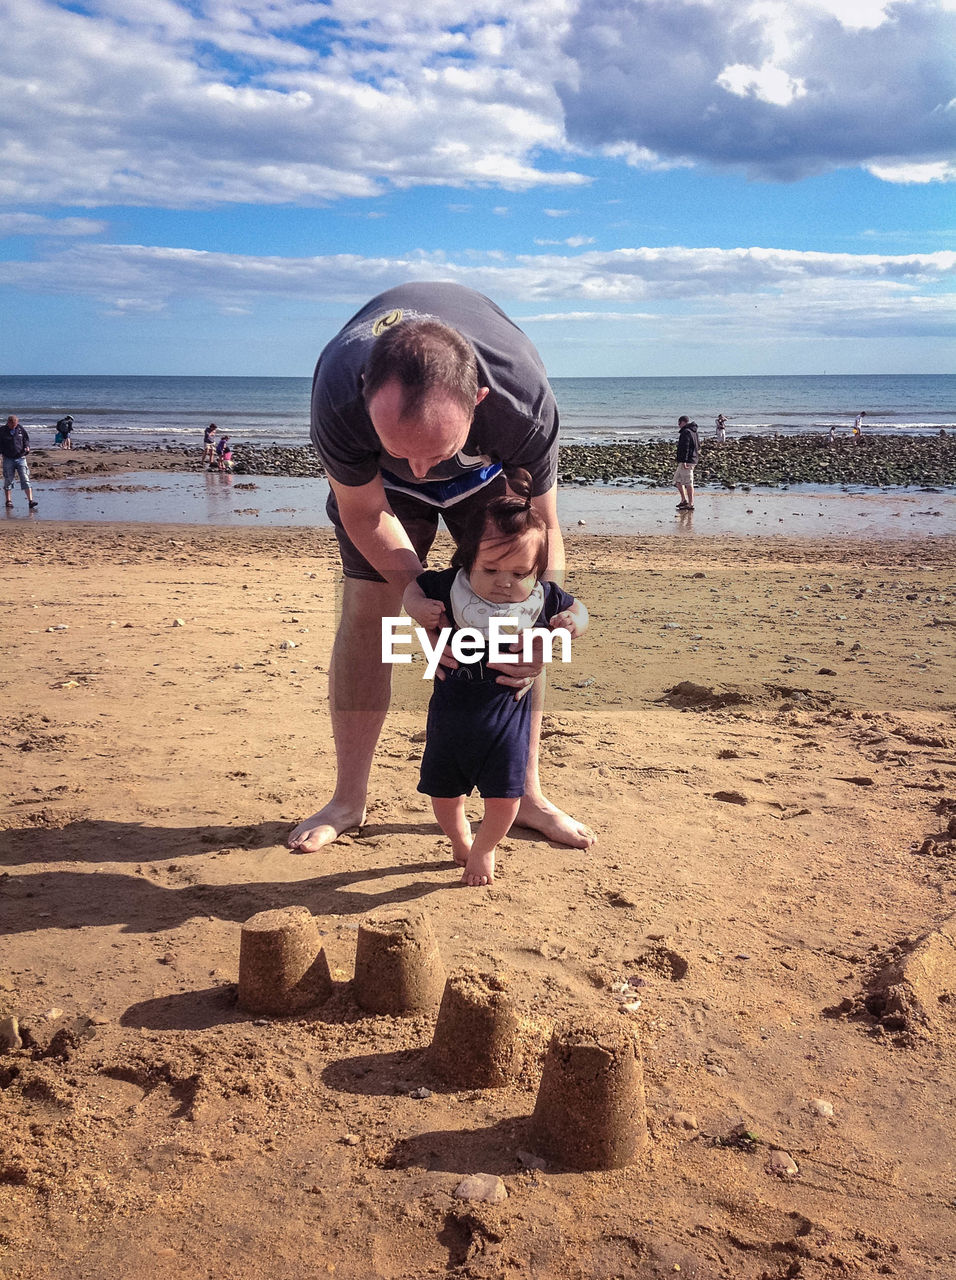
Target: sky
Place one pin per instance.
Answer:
(647, 187)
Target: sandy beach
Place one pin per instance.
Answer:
(763, 733)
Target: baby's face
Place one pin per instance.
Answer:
(505, 574)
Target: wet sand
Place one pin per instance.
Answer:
(214, 498)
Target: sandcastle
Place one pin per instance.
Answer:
(475, 1045)
(590, 1111)
(282, 965)
(398, 968)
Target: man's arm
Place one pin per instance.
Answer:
(376, 531)
(546, 504)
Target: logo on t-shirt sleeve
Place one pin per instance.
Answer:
(386, 321)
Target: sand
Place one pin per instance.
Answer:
(762, 732)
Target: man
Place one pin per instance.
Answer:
(419, 406)
(688, 451)
(720, 422)
(858, 425)
(14, 447)
(209, 446)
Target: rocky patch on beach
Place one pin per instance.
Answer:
(775, 461)
(778, 461)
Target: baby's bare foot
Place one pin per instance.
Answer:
(461, 847)
(479, 869)
(459, 833)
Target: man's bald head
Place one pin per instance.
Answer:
(429, 361)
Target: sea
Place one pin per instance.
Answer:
(119, 412)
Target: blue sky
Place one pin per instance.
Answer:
(648, 187)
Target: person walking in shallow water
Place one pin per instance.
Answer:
(14, 447)
(688, 451)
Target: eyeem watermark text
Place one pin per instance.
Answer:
(470, 645)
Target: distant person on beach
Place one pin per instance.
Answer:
(831, 435)
(209, 445)
(421, 406)
(720, 422)
(479, 731)
(64, 430)
(858, 425)
(688, 451)
(224, 454)
(14, 447)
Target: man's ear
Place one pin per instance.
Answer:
(482, 392)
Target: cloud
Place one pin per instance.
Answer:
(781, 91)
(34, 224)
(154, 102)
(587, 317)
(198, 103)
(765, 290)
(573, 242)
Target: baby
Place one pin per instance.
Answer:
(478, 732)
(224, 454)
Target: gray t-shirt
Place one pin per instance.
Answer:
(516, 425)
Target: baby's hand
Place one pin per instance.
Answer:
(430, 614)
(567, 621)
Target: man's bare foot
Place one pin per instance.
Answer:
(479, 869)
(553, 823)
(324, 827)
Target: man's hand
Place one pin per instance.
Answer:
(521, 675)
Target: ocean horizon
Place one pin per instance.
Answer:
(144, 411)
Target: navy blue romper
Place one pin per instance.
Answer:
(477, 735)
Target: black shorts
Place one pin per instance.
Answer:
(418, 519)
(477, 735)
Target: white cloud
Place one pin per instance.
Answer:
(587, 317)
(933, 171)
(152, 102)
(779, 90)
(189, 103)
(35, 224)
(778, 291)
(768, 83)
(573, 242)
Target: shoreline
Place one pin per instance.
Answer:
(159, 500)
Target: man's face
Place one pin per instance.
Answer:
(434, 435)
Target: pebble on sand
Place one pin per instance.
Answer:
(482, 1186)
(782, 1163)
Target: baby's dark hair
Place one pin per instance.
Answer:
(503, 521)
